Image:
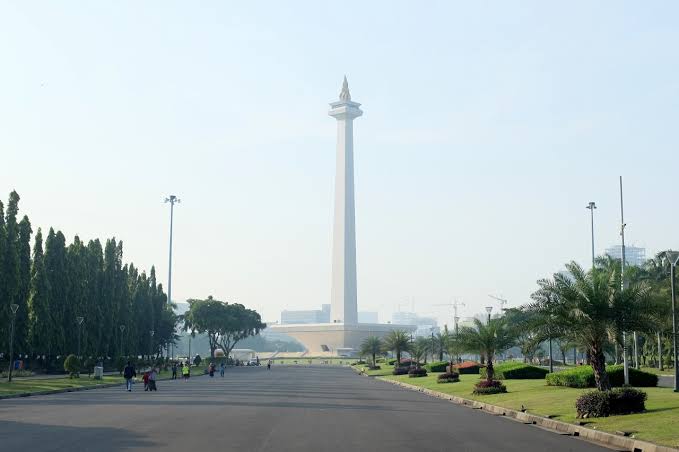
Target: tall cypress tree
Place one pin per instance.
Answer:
(10, 266)
(93, 312)
(24, 285)
(4, 301)
(55, 267)
(40, 321)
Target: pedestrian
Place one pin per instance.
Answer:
(268, 365)
(211, 369)
(152, 379)
(174, 371)
(186, 371)
(129, 373)
(145, 378)
(221, 369)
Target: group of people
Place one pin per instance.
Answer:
(184, 367)
(149, 377)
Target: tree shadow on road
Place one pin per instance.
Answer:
(16, 435)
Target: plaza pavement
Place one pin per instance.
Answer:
(284, 410)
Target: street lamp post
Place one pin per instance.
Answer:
(151, 344)
(172, 199)
(14, 308)
(625, 364)
(489, 309)
(122, 331)
(433, 347)
(673, 257)
(80, 321)
(591, 206)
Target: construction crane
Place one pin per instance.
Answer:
(502, 301)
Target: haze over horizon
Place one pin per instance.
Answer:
(487, 130)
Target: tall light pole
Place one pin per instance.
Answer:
(489, 309)
(172, 199)
(622, 284)
(14, 308)
(673, 258)
(591, 206)
(122, 331)
(80, 321)
(433, 347)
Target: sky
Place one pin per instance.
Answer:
(487, 128)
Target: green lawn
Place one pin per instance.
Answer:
(655, 370)
(659, 424)
(28, 385)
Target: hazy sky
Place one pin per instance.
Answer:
(488, 126)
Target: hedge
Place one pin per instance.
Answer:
(417, 372)
(448, 377)
(583, 377)
(437, 366)
(467, 367)
(605, 403)
(485, 387)
(517, 371)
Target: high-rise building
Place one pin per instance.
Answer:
(634, 256)
(367, 317)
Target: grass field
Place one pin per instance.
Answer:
(28, 385)
(659, 424)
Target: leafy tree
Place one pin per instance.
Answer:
(488, 339)
(72, 366)
(397, 341)
(371, 346)
(590, 308)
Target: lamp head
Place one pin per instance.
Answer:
(122, 328)
(80, 320)
(591, 205)
(14, 308)
(672, 257)
(489, 309)
(152, 333)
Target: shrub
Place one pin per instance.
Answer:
(448, 377)
(467, 367)
(374, 367)
(437, 366)
(89, 366)
(417, 372)
(16, 373)
(606, 403)
(72, 366)
(392, 362)
(381, 360)
(583, 377)
(197, 360)
(485, 387)
(400, 371)
(517, 371)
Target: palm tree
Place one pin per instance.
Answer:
(488, 339)
(441, 339)
(371, 346)
(590, 307)
(420, 348)
(397, 341)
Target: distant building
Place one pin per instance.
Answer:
(634, 256)
(425, 325)
(325, 313)
(367, 317)
(300, 317)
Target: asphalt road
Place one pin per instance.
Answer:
(286, 409)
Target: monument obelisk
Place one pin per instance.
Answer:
(343, 305)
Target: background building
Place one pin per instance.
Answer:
(367, 317)
(425, 325)
(635, 256)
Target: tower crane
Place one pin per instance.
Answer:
(502, 301)
(455, 305)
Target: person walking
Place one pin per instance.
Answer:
(211, 369)
(221, 369)
(145, 379)
(129, 373)
(268, 365)
(186, 371)
(152, 379)
(174, 371)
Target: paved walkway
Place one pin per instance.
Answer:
(284, 410)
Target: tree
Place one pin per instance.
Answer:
(420, 347)
(39, 320)
(242, 323)
(23, 284)
(397, 341)
(55, 269)
(440, 341)
(9, 261)
(590, 308)
(488, 339)
(371, 346)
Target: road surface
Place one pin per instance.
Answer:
(287, 409)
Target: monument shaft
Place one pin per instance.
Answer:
(344, 307)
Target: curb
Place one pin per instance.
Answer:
(607, 439)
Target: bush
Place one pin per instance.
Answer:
(400, 371)
(89, 366)
(16, 373)
(517, 371)
(583, 377)
(197, 360)
(417, 372)
(485, 387)
(374, 367)
(72, 366)
(392, 362)
(381, 360)
(437, 366)
(606, 403)
(448, 377)
(467, 367)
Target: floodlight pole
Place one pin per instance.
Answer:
(591, 207)
(622, 284)
(172, 199)
(13, 308)
(673, 257)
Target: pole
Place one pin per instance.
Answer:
(622, 282)
(591, 207)
(551, 361)
(636, 354)
(674, 330)
(172, 199)
(14, 308)
(433, 348)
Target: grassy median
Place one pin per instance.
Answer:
(30, 385)
(659, 424)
